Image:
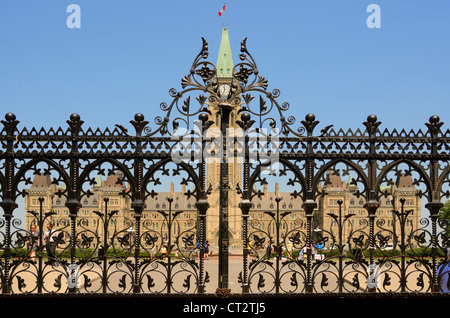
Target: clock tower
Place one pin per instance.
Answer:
(224, 78)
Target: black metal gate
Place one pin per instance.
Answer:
(293, 243)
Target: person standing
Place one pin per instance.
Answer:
(207, 245)
(163, 252)
(269, 249)
(198, 246)
(33, 241)
(50, 238)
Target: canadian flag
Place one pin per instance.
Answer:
(220, 12)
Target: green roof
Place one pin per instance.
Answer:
(225, 60)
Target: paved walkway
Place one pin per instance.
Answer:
(234, 266)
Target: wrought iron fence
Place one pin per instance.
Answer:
(285, 250)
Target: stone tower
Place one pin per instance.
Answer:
(224, 77)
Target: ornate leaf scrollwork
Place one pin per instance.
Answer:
(205, 72)
(201, 77)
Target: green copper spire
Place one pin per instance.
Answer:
(225, 60)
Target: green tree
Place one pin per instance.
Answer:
(444, 218)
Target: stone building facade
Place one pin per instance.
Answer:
(336, 189)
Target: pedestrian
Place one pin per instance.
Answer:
(301, 255)
(313, 251)
(50, 238)
(444, 274)
(198, 250)
(207, 245)
(163, 251)
(269, 249)
(304, 252)
(32, 243)
(191, 253)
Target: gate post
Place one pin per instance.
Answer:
(202, 206)
(73, 204)
(434, 208)
(8, 205)
(138, 206)
(245, 206)
(372, 204)
(434, 127)
(371, 208)
(225, 109)
(309, 206)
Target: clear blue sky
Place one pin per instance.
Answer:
(320, 54)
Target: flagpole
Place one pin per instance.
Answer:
(225, 15)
